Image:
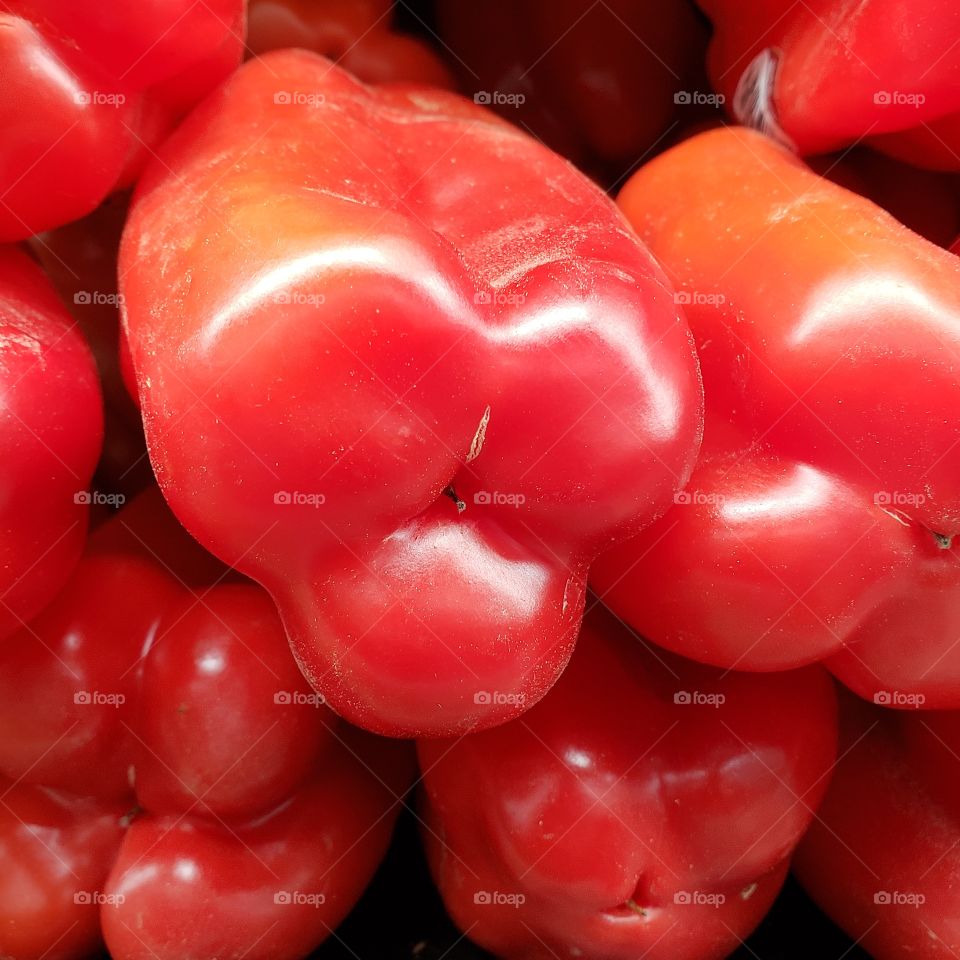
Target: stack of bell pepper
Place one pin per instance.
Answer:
(540, 422)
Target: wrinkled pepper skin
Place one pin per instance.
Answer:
(882, 859)
(819, 523)
(826, 74)
(89, 89)
(647, 806)
(574, 74)
(440, 362)
(176, 764)
(357, 34)
(51, 429)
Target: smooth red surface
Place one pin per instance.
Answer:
(270, 889)
(646, 806)
(819, 522)
(226, 724)
(882, 857)
(88, 90)
(51, 427)
(69, 679)
(56, 851)
(844, 70)
(342, 331)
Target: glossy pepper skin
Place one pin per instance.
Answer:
(818, 524)
(176, 764)
(576, 73)
(826, 74)
(275, 886)
(51, 428)
(882, 858)
(88, 90)
(647, 806)
(56, 850)
(443, 367)
(356, 34)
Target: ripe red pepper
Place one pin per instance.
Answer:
(51, 428)
(934, 145)
(574, 74)
(357, 34)
(883, 856)
(819, 522)
(88, 90)
(826, 74)
(81, 260)
(927, 201)
(181, 778)
(56, 850)
(647, 806)
(410, 376)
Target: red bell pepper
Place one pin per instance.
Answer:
(272, 888)
(81, 260)
(935, 145)
(51, 428)
(88, 89)
(357, 34)
(824, 508)
(603, 84)
(411, 376)
(647, 806)
(927, 201)
(826, 74)
(154, 709)
(56, 851)
(883, 856)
